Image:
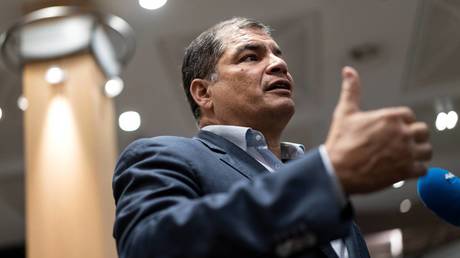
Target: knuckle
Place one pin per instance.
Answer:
(421, 132)
(406, 114)
(405, 111)
(402, 133)
(395, 113)
(406, 135)
(387, 114)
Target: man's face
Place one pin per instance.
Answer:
(253, 84)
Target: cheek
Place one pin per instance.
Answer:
(247, 82)
(241, 76)
(240, 85)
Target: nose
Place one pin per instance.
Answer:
(277, 66)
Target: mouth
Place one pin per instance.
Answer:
(279, 85)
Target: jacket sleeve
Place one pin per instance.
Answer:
(161, 211)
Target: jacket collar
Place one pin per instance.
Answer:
(231, 154)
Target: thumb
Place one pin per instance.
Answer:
(350, 95)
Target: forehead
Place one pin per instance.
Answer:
(232, 39)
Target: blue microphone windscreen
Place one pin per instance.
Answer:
(440, 192)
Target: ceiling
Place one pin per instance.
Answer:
(406, 52)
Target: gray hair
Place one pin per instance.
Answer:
(203, 53)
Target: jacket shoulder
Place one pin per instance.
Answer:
(160, 145)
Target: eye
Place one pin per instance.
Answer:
(249, 58)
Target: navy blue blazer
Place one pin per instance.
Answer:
(206, 197)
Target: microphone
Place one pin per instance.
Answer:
(439, 190)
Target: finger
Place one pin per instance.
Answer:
(420, 132)
(350, 95)
(404, 113)
(418, 169)
(422, 151)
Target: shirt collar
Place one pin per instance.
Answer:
(234, 134)
(242, 136)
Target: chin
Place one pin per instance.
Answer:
(283, 109)
(285, 103)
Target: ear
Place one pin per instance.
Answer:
(199, 89)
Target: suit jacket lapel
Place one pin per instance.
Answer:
(231, 154)
(355, 243)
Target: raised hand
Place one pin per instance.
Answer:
(370, 150)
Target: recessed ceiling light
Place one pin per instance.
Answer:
(441, 121)
(23, 103)
(405, 206)
(398, 184)
(113, 87)
(152, 4)
(452, 119)
(55, 75)
(129, 121)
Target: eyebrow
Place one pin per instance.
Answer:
(257, 47)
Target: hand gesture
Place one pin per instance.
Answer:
(370, 150)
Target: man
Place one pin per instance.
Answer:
(227, 193)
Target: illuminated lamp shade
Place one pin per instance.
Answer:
(113, 87)
(152, 4)
(1, 114)
(23, 103)
(55, 75)
(129, 121)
